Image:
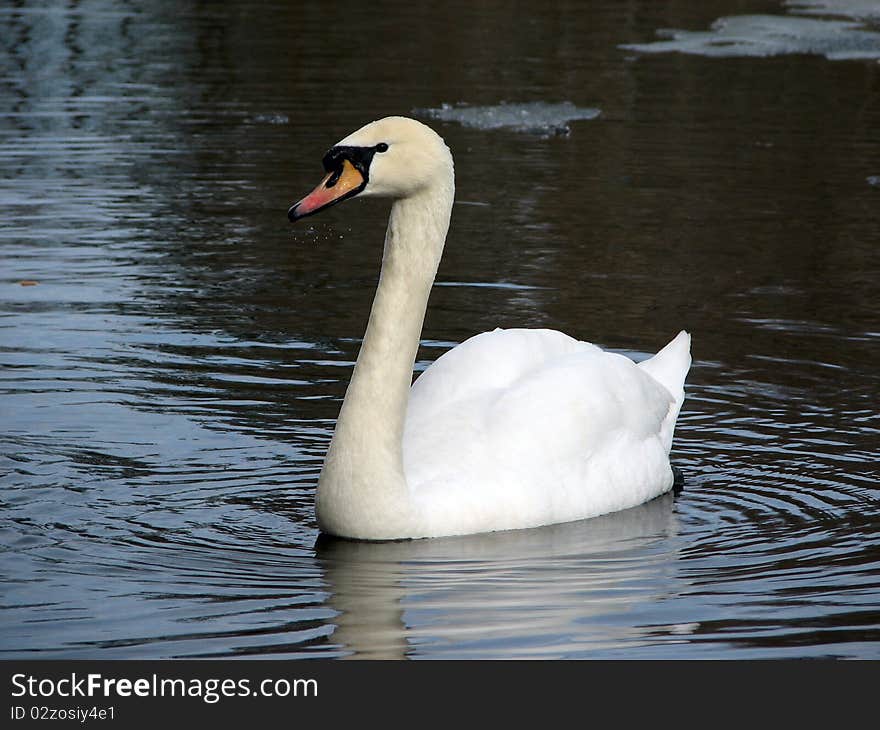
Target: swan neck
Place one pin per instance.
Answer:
(362, 490)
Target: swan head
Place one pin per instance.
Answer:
(394, 157)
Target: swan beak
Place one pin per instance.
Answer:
(337, 186)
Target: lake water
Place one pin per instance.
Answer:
(173, 352)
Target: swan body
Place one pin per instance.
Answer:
(510, 429)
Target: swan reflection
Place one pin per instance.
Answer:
(554, 591)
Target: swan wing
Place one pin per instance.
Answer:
(519, 428)
(488, 361)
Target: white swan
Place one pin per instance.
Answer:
(510, 429)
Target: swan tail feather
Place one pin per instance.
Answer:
(670, 366)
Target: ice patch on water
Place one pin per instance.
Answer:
(271, 119)
(534, 117)
(859, 9)
(771, 35)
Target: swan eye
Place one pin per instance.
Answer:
(381, 147)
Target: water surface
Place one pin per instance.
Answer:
(173, 353)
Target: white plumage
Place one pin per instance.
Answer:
(510, 429)
(519, 428)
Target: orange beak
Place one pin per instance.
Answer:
(337, 186)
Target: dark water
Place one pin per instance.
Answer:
(170, 383)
